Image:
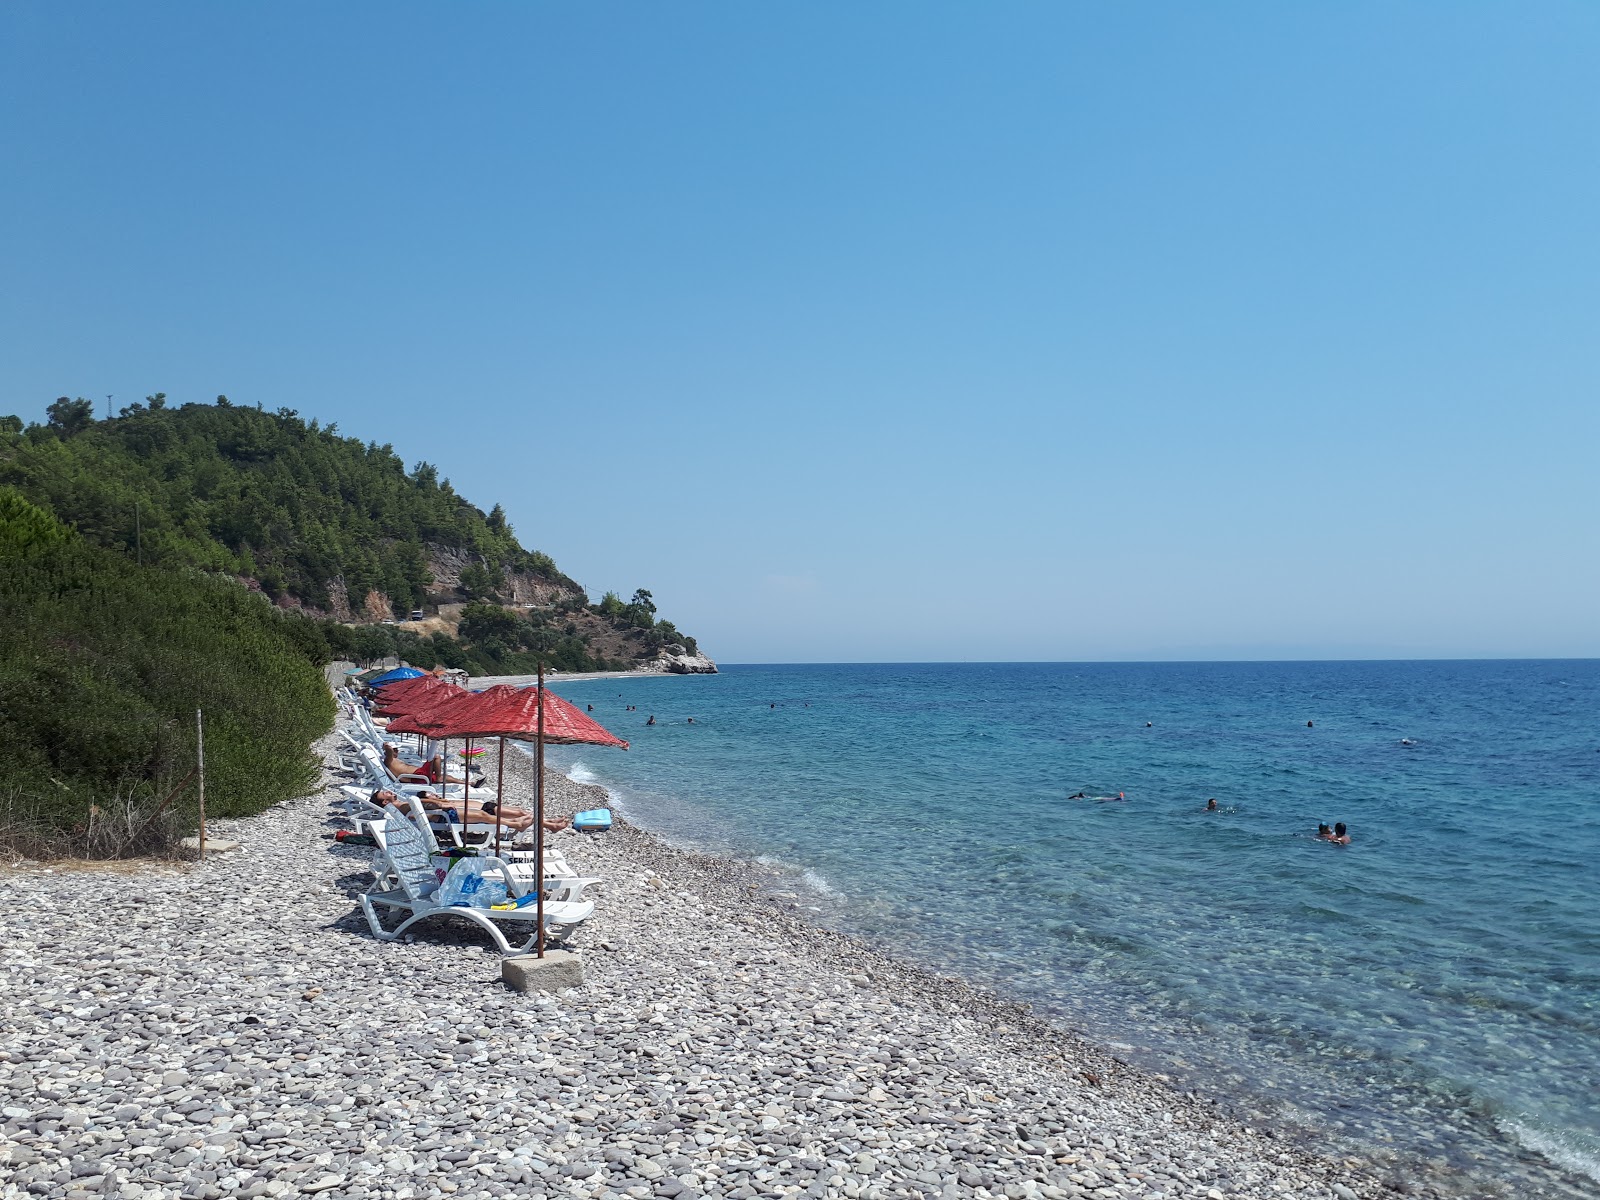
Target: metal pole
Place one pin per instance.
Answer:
(200, 753)
(538, 812)
(499, 795)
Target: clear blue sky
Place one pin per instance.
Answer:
(876, 332)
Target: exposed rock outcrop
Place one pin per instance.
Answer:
(339, 600)
(446, 563)
(676, 660)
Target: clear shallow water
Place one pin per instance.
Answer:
(1433, 989)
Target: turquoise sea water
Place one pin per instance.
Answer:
(1433, 989)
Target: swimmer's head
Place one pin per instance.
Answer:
(1338, 829)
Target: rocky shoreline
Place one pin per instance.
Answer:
(231, 1028)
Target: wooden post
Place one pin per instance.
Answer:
(538, 813)
(200, 766)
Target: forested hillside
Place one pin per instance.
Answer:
(325, 523)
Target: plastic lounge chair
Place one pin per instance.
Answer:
(407, 861)
(561, 882)
(381, 776)
(359, 809)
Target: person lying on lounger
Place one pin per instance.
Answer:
(516, 820)
(430, 770)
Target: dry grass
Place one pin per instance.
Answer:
(126, 826)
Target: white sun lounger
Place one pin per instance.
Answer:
(381, 776)
(561, 882)
(407, 862)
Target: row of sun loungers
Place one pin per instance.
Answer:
(412, 848)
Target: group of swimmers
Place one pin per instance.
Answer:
(1338, 835)
(635, 708)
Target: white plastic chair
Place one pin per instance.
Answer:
(561, 882)
(408, 864)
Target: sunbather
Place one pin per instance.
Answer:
(430, 770)
(516, 820)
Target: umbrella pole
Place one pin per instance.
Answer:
(499, 797)
(538, 813)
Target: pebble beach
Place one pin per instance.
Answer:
(231, 1028)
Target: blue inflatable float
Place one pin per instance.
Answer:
(594, 820)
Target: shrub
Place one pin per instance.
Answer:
(104, 664)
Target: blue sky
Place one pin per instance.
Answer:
(876, 332)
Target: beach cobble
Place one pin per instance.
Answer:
(231, 1028)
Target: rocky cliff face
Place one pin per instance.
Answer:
(520, 588)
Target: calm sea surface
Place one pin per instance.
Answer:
(1432, 989)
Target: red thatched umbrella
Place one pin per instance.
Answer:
(409, 694)
(421, 712)
(530, 714)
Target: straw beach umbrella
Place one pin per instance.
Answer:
(406, 694)
(410, 695)
(421, 712)
(527, 714)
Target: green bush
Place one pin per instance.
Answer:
(104, 664)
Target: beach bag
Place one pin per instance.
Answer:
(465, 886)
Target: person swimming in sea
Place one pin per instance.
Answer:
(1211, 805)
(1079, 796)
(1118, 796)
(652, 719)
(1324, 834)
(1339, 837)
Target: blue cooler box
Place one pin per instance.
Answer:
(595, 820)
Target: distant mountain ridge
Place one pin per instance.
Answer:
(329, 525)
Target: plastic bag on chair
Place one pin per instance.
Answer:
(465, 886)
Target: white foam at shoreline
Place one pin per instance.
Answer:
(812, 878)
(1553, 1147)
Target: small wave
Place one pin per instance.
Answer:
(582, 774)
(813, 879)
(1558, 1148)
(818, 883)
